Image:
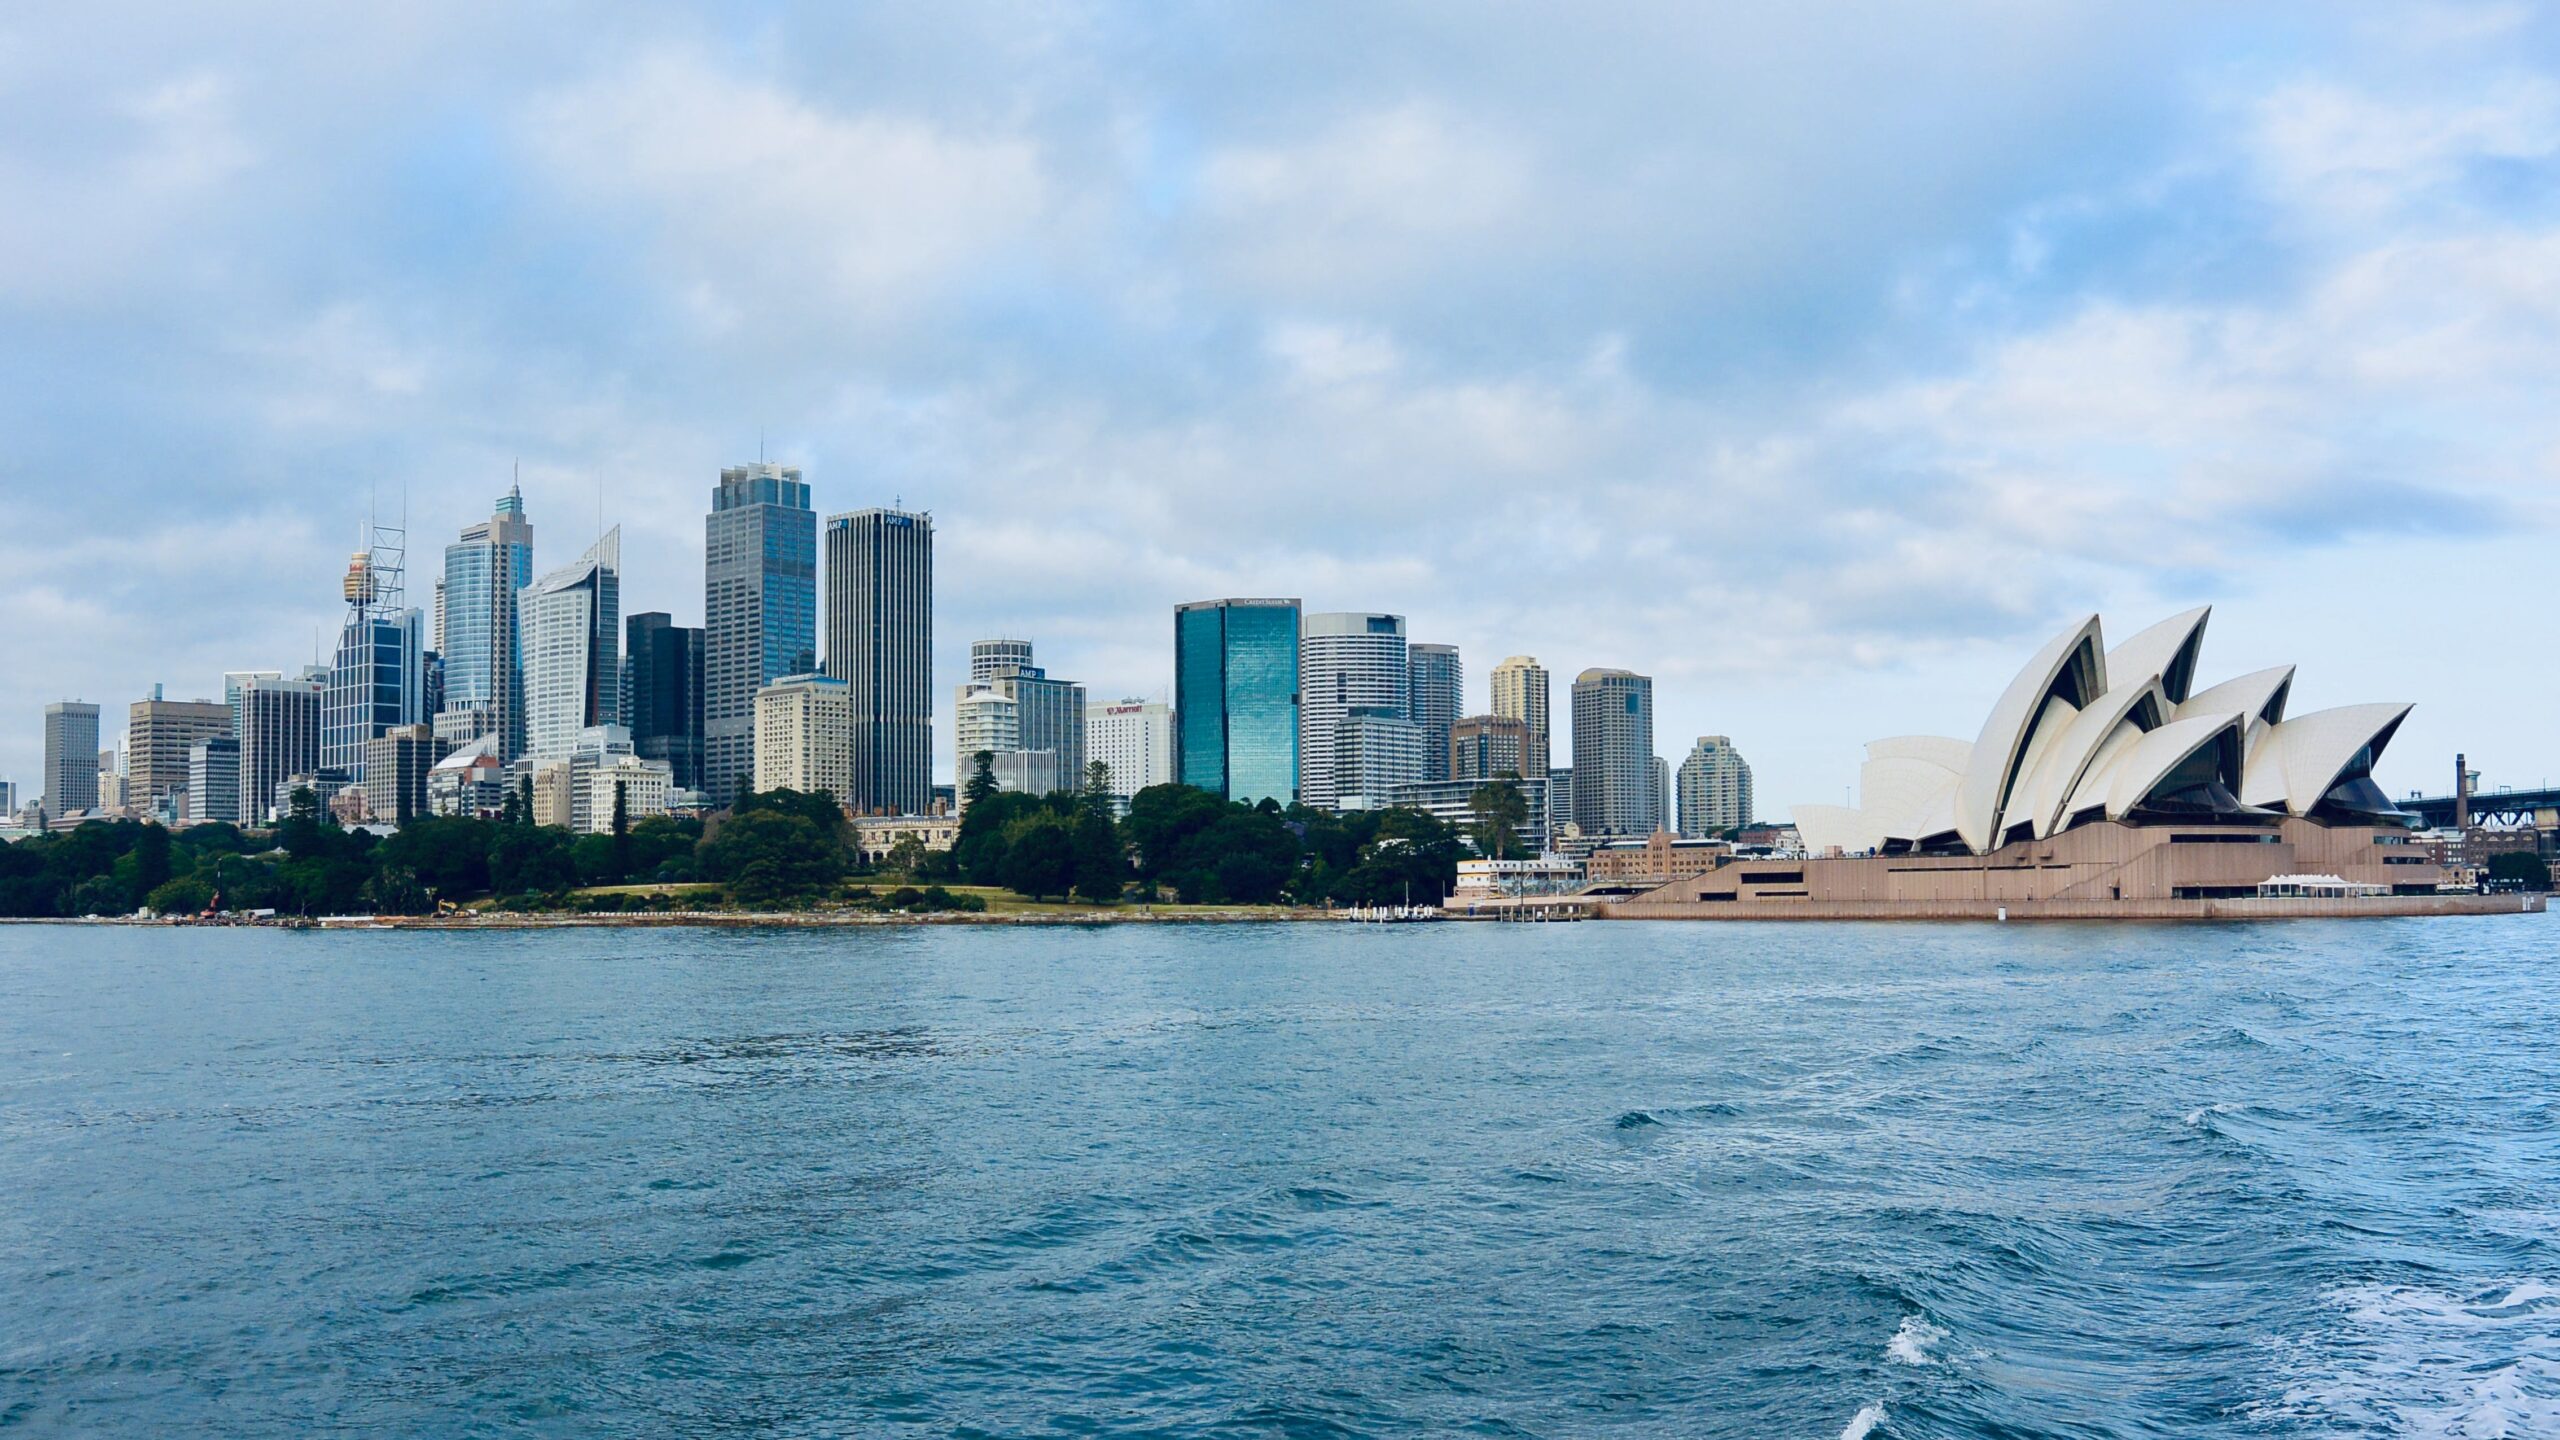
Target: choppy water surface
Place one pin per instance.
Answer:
(1586, 1179)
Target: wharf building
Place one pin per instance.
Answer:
(1438, 691)
(1134, 740)
(160, 737)
(1615, 789)
(1715, 788)
(880, 643)
(1521, 692)
(573, 649)
(377, 677)
(70, 758)
(662, 694)
(2106, 783)
(477, 630)
(760, 610)
(1235, 698)
(804, 735)
(1356, 736)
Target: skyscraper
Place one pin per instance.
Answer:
(572, 646)
(1047, 714)
(1520, 691)
(1235, 697)
(279, 737)
(760, 610)
(70, 758)
(1715, 788)
(479, 634)
(1613, 778)
(232, 683)
(664, 700)
(158, 736)
(1349, 660)
(1439, 694)
(880, 643)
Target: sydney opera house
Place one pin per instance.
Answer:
(2105, 783)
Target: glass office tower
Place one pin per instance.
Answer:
(1235, 682)
(483, 572)
(760, 610)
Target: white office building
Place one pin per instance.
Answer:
(1347, 661)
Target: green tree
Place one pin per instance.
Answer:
(1498, 810)
(907, 857)
(151, 860)
(448, 853)
(1101, 866)
(394, 890)
(186, 895)
(772, 857)
(2529, 870)
(982, 779)
(1040, 859)
(530, 860)
(621, 834)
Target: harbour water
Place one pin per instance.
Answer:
(1602, 1179)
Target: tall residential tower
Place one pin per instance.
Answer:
(1614, 788)
(1520, 691)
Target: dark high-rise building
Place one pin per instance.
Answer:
(664, 705)
(1439, 689)
(1235, 684)
(1615, 788)
(880, 642)
(279, 736)
(478, 633)
(70, 758)
(760, 610)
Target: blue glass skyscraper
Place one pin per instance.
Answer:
(759, 607)
(1235, 683)
(483, 572)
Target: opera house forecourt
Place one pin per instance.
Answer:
(2105, 784)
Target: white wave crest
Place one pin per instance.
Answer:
(2196, 1117)
(1910, 1344)
(1864, 1421)
(2408, 1360)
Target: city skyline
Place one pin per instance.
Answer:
(1808, 418)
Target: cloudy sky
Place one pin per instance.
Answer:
(1818, 361)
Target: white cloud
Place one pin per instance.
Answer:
(2341, 154)
(760, 206)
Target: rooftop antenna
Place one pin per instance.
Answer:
(759, 444)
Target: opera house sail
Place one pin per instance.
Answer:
(2105, 782)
